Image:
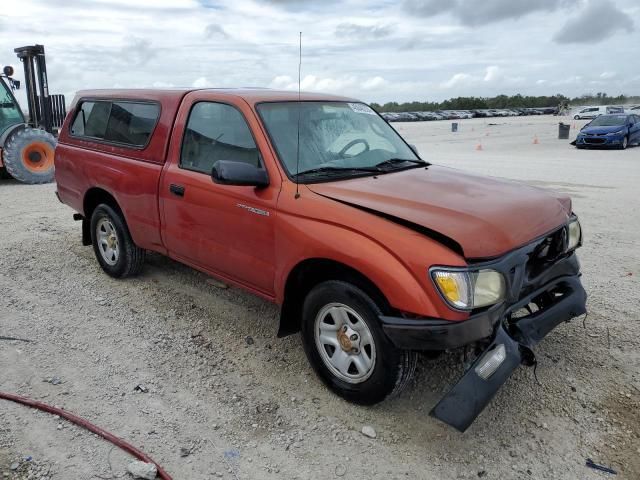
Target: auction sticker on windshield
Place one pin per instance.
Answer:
(362, 108)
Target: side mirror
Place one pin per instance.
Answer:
(228, 172)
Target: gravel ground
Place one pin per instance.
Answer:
(226, 399)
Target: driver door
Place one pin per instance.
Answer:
(225, 230)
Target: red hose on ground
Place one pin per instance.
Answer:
(89, 426)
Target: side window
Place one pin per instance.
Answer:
(129, 123)
(91, 119)
(216, 131)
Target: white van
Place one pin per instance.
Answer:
(593, 112)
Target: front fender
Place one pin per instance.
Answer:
(405, 287)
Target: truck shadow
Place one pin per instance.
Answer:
(252, 316)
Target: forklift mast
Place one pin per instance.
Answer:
(45, 111)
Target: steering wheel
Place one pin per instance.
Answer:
(346, 148)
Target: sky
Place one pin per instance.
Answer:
(375, 50)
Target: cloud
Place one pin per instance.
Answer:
(375, 50)
(493, 73)
(201, 82)
(138, 51)
(213, 30)
(608, 75)
(312, 83)
(480, 12)
(457, 80)
(354, 30)
(599, 20)
(159, 84)
(374, 83)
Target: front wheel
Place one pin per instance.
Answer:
(625, 143)
(576, 117)
(347, 348)
(113, 246)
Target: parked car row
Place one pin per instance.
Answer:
(461, 114)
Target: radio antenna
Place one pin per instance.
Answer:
(297, 195)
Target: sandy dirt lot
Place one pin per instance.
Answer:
(222, 406)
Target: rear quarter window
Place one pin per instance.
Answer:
(126, 123)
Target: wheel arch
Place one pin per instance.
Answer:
(309, 273)
(92, 198)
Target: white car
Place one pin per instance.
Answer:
(464, 114)
(593, 112)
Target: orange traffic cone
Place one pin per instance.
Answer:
(535, 140)
(479, 146)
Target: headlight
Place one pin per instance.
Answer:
(619, 132)
(466, 290)
(575, 234)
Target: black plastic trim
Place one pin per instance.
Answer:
(469, 397)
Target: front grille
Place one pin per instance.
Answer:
(594, 140)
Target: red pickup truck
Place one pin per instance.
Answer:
(317, 204)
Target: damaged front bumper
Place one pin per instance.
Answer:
(464, 402)
(547, 299)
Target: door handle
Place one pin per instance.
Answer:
(176, 189)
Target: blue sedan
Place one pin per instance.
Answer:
(610, 131)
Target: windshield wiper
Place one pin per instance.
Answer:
(378, 168)
(398, 161)
(339, 170)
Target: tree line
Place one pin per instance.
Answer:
(506, 101)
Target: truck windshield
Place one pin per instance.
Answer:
(10, 113)
(337, 139)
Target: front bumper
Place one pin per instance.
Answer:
(550, 297)
(466, 400)
(437, 334)
(604, 141)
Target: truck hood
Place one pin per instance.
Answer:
(485, 217)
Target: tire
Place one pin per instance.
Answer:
(28, 155)
(115, 251)
(576, 117)
(374, 368)
(625, 143)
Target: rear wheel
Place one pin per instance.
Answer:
(28, 155)
(115, 251)
(347, 348)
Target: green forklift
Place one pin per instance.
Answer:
(27, 144)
